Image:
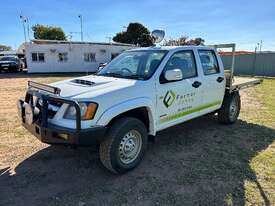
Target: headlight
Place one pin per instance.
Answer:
(87, 111)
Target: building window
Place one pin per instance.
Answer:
(38, 57)
(63, 57)
(89, 57)
(114, 55)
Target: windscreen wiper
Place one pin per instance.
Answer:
(112, 75)
(135, 76)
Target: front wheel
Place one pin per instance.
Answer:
(124, 146)
(230, 110)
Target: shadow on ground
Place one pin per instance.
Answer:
(196, 163)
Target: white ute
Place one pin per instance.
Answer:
(139, 93)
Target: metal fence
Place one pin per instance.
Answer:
(259, 64)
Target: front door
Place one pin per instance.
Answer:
(180, 100)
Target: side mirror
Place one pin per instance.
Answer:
(173, 75)
(101, 66)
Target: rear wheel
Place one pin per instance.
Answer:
(230, 110)
(124, 146)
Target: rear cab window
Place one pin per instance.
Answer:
(209, 62)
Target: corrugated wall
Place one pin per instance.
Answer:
(261, 64)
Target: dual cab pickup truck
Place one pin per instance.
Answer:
(139, 93)
(10, 64)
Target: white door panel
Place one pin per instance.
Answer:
(178, 102)
(213, 90)
(181, 100)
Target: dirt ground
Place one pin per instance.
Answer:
(200, 162)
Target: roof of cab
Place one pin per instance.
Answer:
(171, 48)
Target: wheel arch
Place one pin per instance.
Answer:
(141, 108)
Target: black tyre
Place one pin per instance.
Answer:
(17, 69)
(21, 67)
(124, 146)
(230, 110)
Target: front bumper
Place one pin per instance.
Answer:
(53, 134)
(8, 67)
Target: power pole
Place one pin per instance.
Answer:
(109, 38)
(81, 26)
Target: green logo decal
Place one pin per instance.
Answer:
(169, 98)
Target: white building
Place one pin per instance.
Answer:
(65, 56)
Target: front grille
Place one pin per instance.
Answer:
(57, 104)
(51, 113)
(53, 107)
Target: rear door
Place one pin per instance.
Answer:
(214, 81)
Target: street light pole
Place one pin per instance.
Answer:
(28, 27)
(261, 45)
(23, 19)
(81, 28)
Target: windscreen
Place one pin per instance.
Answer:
(7, 59)
(134, 64)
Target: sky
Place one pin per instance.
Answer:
(244, 22)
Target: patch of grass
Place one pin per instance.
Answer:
(262, 190)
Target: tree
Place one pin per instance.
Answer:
(136, 34)
(176, 42)
(48, 32)
(4, 48)
(184, 41)
(196, 41)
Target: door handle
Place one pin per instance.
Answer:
(220, 79)
(196, 84)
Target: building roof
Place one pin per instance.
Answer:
(222, 53)
(42, 41)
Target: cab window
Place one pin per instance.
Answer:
(209, 62)
(185, 61)
(152, 63)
